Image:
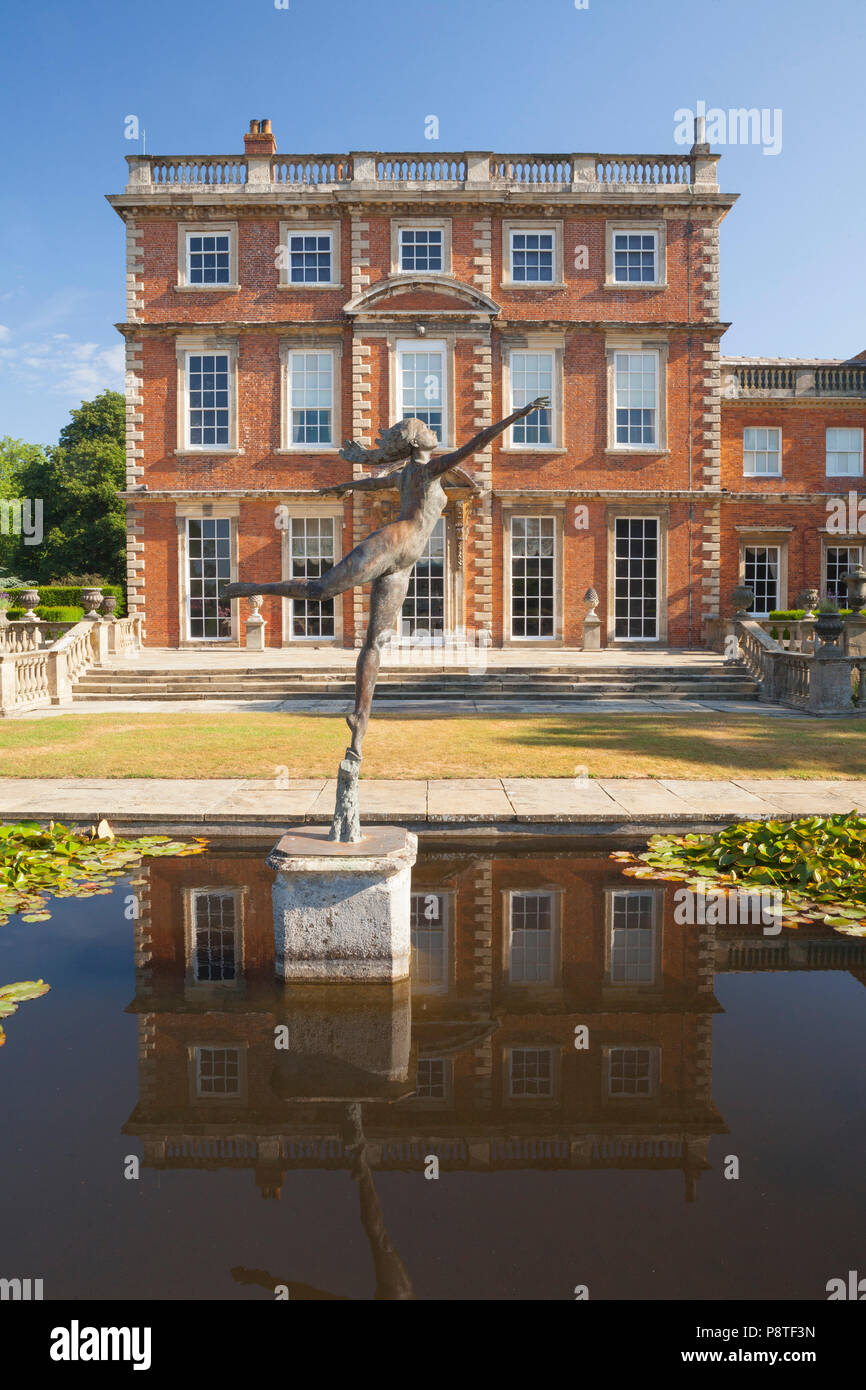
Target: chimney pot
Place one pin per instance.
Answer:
(254, 127)
(259, 140)
(266, 126)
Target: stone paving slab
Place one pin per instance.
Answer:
(302, 704)
(486, 801)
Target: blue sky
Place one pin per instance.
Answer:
(336, 75)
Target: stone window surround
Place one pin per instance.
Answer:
(616, 987)
(660, 229)
(314, 508)
(781, 446)
(203, 507)
(190, 893)
(532, 1044)
(749, 536)
(553, 507)
(533, 224)
(661, 513)
(439, 224)
(238, 1097)
(311, 342)
(536, 342)
(655, 1073)
(185, 345)
(185, 229)
(449, 919)
(300, 226)
(620, 342)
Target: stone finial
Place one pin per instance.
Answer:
(807, 599)
(91, 598)
(255, 625)
(29, 598)
(591, 597)
(855, 583)
(5, 602)
(108, 607)
(742, 597)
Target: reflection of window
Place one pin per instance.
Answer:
(762, 452)
(531, 927)
(531, 1072)
(532, 376)
(845, 452)
(421, 385)
(429, 926)
(218, 1071)
(311, 398)
(532, 258)
(310, 256)
(838, 560)
(632, 945)
(421, 248)
(636, 397)
(431, 1082)
(761, 575)
(631, 1071)
(311, 554)
(215, 937)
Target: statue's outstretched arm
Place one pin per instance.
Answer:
(442, 464)
(384, 480)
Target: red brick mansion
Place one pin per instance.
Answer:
(279, 304)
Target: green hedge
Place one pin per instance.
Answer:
(48, 615)
(66, 596)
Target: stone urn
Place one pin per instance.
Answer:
(855, 583)
(108, 607)
(28, 598)
(91, 598)
(742, 598)
(807, 599)
(829, 626)
(5, 602)
(591, 597)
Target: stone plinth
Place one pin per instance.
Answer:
(344, 1043)
(341, 910)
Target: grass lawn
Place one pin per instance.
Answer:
(255, 745)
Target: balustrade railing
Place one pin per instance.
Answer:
(36, 671)
(823, 682)
(804, 379)
(550, 172)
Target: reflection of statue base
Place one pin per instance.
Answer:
(341, 910)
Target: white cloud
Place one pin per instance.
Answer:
(4, 332)
(61, 366)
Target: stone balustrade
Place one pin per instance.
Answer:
(824, 682)
(35, 671)
(235, 175)
(787, 381)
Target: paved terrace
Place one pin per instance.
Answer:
(496, 805)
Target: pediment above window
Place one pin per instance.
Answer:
(397, 295)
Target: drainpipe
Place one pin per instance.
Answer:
(689, 229)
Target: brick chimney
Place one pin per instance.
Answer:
(260, 139)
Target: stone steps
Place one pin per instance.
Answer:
(710, 681)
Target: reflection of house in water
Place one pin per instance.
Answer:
(512, 955)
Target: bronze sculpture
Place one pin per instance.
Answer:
(384, 559)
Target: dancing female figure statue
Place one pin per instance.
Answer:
(385, 558)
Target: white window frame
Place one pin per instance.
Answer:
(656, 229)
(300, 228)
(760, 543)
(185, 230)
(405, 346)
(838, 543)
(446, 901)
(510, 226)
(294, 511)
(421, 224)
(660, 596)
(554, 896)
(756, 473)
(613, 347)
(185, 348)
(290, 349)
(521, 514)
(851, 429)
(447, 1064)
(537, 347)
